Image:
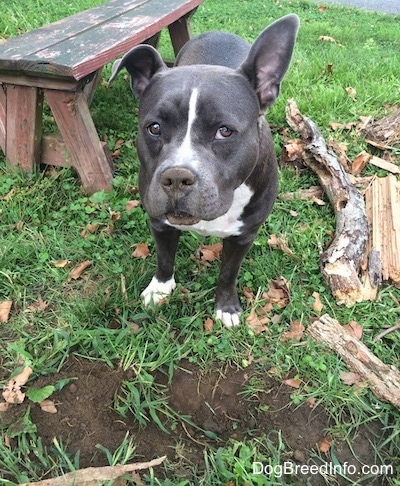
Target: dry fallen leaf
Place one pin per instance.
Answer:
(77, 271)
(48, 406)
(12, 389)
(208, 324)
(349, 378)
(60, 263)
(324, 444)
(114, 216)
(92, 227)
(209, 253)
(352, 93)
(280, 242)
(327, 38)
(354, 329)
(293, 382)
(317, 304)
(257, 323)
(141, 251)
(5, 309)
(131, 204)
(278, 294)
(38, 306)
(296, 332)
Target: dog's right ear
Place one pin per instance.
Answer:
(142, 63)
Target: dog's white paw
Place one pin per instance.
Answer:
(228, 319)
(156, 291)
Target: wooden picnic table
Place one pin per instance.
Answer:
(61, 64)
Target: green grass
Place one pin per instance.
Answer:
(42, 218)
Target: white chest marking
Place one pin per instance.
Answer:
(186, 155)
(229, 223)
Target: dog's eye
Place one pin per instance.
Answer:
(154, 129)
(223, 132)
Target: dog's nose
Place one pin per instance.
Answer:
(178, 180)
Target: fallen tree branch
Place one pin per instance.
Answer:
(92, 475)
(383, 380)
(340, 263)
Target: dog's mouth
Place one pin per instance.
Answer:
(182, 218)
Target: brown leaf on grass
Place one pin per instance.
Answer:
(349, 378)
(115, 216)
(280, 242)
(60, 263)
(48, 406)
(292, 154)
(209, 253)
(208, 324)
(38, 306)
(12, 389)
(92, 227)
(278, 294)
(257, 323)
(312, 402)
(342, 126)
(355, 329)
(9, 195)
(296, 332)
(293, 382)
(79, 269)
(249, 294)
(360, 162)
(134, 203)
(141, 251)
(324, 444)
(5, 309)
(317, 304)
(352, 93)
(327, 38)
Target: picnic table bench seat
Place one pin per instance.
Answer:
(61, 63)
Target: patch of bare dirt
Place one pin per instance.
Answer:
(215, 402)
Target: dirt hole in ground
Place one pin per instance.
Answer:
(216, 401)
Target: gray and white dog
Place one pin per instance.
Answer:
(207, 159)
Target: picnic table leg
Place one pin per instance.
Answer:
(180, 32)
(72, 115)
(90, 87)
(3, 105)
(23, 130)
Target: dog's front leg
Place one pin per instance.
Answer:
(228, 306)
(163, 282)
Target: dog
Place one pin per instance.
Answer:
(207, 158)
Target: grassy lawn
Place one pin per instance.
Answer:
(130, 383)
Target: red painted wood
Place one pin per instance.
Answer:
(81, 44)
(24, 126)
(78, 132)
(3, 108)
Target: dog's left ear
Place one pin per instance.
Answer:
(269, 58)
(142, 63)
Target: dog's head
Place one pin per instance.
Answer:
(199, 125)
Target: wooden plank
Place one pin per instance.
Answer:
(3, 108)
(78, 132)
(78, 55)
(180, 32)
(24, 107)
(52, 34)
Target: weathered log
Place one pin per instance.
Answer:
(340, 263)
(383, 380)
